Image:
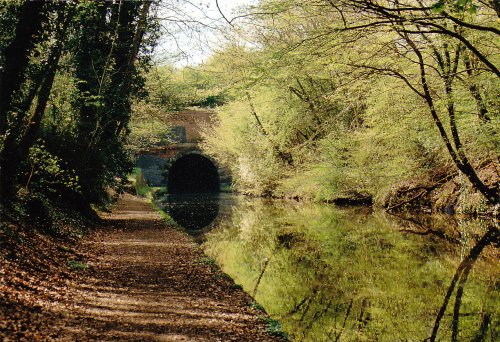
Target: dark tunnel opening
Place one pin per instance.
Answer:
(193, 173)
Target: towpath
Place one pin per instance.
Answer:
(149, 281)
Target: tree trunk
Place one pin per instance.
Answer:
(33, 128)
(16, 61)
(90, 69)
(136, 43)
(458, 156)
(283, 156)
(122, 78)
(16, 56)
(474, 90)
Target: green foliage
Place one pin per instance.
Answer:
(105, 82)
(48, 216)
(161, 212)
(208, 261)
(255, 305)
(47, 173)
(224, 276)
(347, 106)
(172, 89)
(77, 265)
(142, 189)
(148, 128)
(8, 15)
(236, 286)
(274, 328)
(7, 231)
(61, 117)
(302, 112)
(455, 5)
(71, 83)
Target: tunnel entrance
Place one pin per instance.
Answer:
(193, 173)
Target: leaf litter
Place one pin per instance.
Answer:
(133, 277)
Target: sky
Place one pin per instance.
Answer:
(191, 29)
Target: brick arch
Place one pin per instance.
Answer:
(156, 161)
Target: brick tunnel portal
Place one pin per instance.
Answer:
(193, 173)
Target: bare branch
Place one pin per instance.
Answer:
(391, 72)
(222, 14)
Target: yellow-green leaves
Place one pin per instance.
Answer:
(48, 171)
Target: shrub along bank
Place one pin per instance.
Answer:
(346, 101)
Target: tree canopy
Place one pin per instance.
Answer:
(332, 96)
(317, 99)
(69, 72)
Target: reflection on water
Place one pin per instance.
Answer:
(332, 274)
(491, 237)
(192, 211)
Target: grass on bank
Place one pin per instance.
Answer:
(142, 189)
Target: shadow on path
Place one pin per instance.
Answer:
(148, 281)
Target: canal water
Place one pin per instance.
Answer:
(352, 274)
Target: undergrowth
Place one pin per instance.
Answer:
(142, 189)
(274, 328)
(38, 212)
(255, 305)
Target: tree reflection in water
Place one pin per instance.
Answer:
(341, 274)
(492, 237)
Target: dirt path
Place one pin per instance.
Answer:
(149, 281)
